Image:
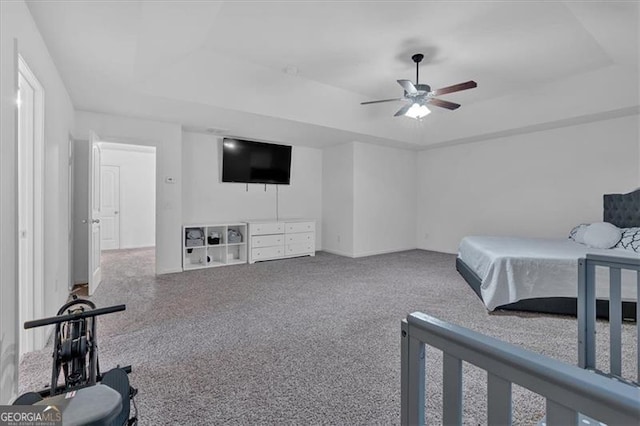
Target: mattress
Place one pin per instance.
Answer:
(513, 269)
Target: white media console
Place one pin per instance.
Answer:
(207, 246)
(286, 238)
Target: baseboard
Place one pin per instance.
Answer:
(366, 254)
(437, 250)
(168, 271)
(377, 252)
(133, 247)
(336, 252)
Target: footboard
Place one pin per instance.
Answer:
(587, 311)
(569, 390)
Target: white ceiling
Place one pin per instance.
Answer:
(222, 64)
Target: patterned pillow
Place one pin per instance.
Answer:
(630, 239)
(577, 233)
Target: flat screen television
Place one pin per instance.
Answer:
(255, 162)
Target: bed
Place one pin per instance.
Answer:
(541, 275)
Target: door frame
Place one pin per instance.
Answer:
(70, 218)
(159, 149)
(93, 215)
(36, 338)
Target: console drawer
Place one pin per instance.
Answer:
(303, 237)
(295, 227)
(300, 248)
(267, 228)
(267, 252)
(267, 241)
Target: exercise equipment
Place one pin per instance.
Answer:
(86, 396)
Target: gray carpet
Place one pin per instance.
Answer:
(298, 341)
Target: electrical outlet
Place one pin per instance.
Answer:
(426, 235)
(338, 238)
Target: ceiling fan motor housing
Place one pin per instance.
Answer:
(423, 89)
(417, 57)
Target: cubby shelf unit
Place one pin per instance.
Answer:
(208, 246)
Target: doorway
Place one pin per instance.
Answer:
(127, 201)
(110, 207)
(30, 206)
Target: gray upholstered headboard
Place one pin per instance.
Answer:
(623, 210)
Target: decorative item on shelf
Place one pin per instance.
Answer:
(213, 245)
(234, 236)
(194, 237)
(213, 238)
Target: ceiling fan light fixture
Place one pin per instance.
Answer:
(417, 111)
(417, 95)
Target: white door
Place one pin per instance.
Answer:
(25, 209)
(95, 272)
(30, 206)
(110, 207)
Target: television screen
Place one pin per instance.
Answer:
(255, 162)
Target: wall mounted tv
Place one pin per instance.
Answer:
(255, 162)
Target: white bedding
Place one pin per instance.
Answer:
(513, 269)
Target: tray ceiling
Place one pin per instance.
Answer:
(224, 64)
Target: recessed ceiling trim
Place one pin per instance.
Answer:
(567, 122)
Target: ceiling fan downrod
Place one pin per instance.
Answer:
(417, 58)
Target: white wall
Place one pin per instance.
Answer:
(337, 199)
(385, 203)
(16, 23)
(137, 211)
(206, 199)
(167, 138)
(533, 185)
(369, 199)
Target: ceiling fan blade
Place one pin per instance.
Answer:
(384, 100)
(403, 110)
(444, 104)
(408, 86)
(455, 88)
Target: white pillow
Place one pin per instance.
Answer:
(577, 233)
(602, 235)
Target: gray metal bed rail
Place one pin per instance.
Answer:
(568, 389)
(587, 310)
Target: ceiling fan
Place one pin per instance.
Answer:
(419, 95)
